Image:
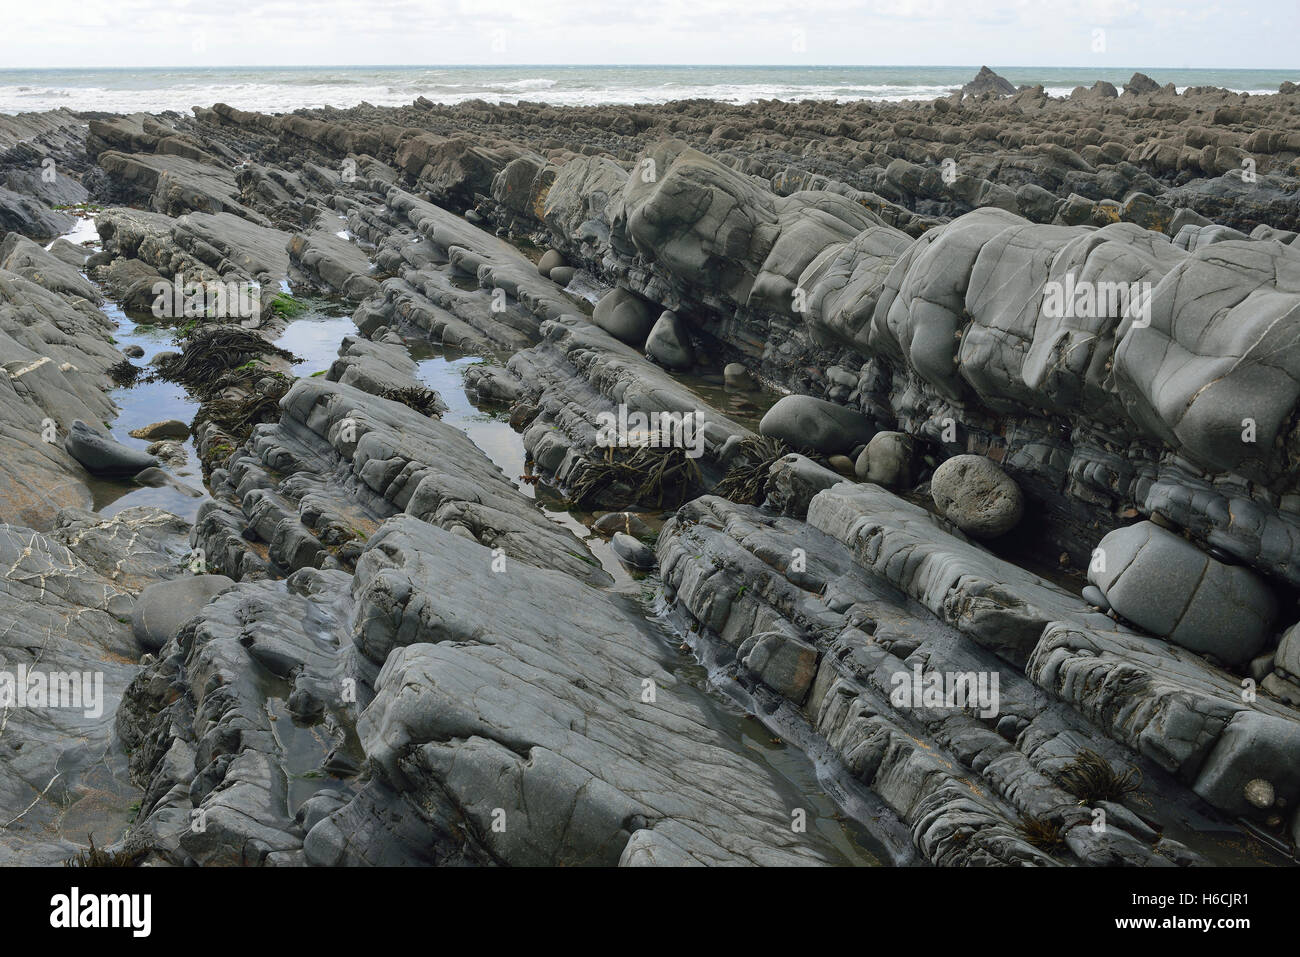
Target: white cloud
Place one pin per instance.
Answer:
(1146, 33)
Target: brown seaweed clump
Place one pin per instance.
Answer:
(424, 401)
(1091, 779)
(664, 477)
(98, 857)
(746, 480)
(216, 357)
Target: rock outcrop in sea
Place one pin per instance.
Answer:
(957, 449)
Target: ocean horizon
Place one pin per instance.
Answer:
(282, 89)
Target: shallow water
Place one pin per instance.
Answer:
(314, 336)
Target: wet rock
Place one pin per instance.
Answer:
(625, 522)
(157, 478)
(1253, 747)
(735, 572)
(783, 662)
(170, 429)
(169, 452)
(101, 455)
(803, 422)
(67, 599)
(736, 376)
(631, 551)
(793, 480)
(977, 496)
(25, 258)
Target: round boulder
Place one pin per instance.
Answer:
(669, 342)
(625, 316)
(973, 493)
(632, 552)
(563, 275)
(736, 376)
(887, 460)
(1162, 582)
(163, 607)
(550, 259)
(803, 422)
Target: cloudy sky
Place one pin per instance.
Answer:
(1136, 33)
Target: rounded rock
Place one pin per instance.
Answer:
(624, 315)
(169, 429)
(164, 607)
(632, 552)
(736, 376)
(550, 259)
(887, 460)
(973, 493)
(563, 275)
(803, 422)
(669, 342)
(101, 455)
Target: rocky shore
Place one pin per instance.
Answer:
(951, 516)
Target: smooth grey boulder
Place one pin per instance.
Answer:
(550, 260)
(736, 376)
(101, 455)
(632, 552)
(804, 422)
(162, 608)
(1094, 597)
(973, 493)
(562, 275)
(624, 315)
(669, 342)
(1165, 584)
(887, 460)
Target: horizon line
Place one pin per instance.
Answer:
(805, 66)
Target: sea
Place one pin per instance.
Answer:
(283, 89)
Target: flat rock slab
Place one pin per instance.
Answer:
(497, 693)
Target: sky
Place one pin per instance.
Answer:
(1207, 34)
